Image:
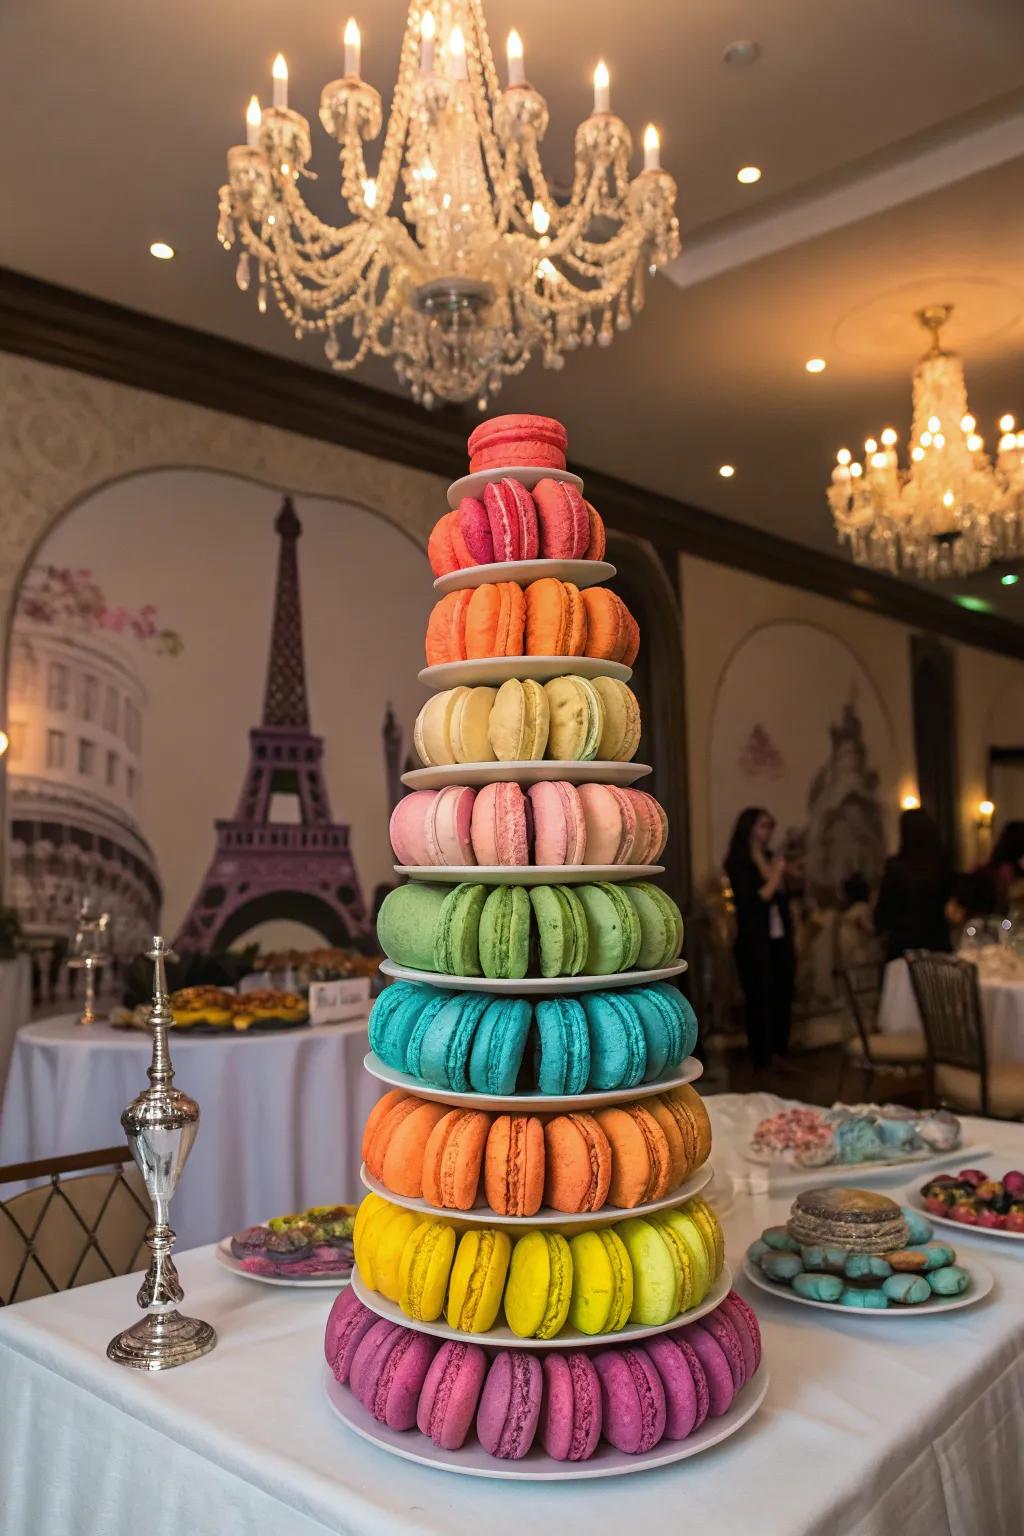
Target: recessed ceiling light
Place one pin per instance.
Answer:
(748, 174)
(726, 471)
(815, 365)
(161, 250)
(1010, 580)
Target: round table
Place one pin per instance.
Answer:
(1002, 1003)
(280, 1125)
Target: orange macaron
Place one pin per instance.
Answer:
(514, 1165)
(395, 1138)
(446, 629)
(687, 1108)
(641, 1162)
(495, 617)
(612, 632)
(578, 1163)
(556, 620)
(453, 1159)
(598, 540)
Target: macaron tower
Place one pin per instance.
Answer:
(539, 1285)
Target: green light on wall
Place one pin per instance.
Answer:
(975, 604)
(1009, 581)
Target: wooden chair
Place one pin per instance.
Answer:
(71, 1231)
(949, 1001)
(874, 1054)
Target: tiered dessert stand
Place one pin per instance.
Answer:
(471, 1458)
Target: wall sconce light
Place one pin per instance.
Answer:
(986, 811)
(5, 742)
(910, 803)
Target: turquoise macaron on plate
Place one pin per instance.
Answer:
(982, 1281)
(535, 986)
(688, 1071)
(494, 670)
(529, 874)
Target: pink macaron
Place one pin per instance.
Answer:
(744, 1320)
(632, 1399)
(686, 1386)
(348, 1323)
(570, 1416)
(651, 827)
(501, 825)
(451, 1391)
(611, 823)
(447, 826)
(408, 827)
(719, 1373)
(509, 1411)
(564, 520)
(726, 1336)
(512, 517)
(559, 825)
(475, 528)
(388, 1372)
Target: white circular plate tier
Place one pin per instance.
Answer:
(528, 874)
(534, 986)
(533, 1103)
(483, 1216)
(915, 1203)
(538, 771)
(527, 474)
(982, 1281)
(569, 1338)
(536, 1466)
(582, 573)
(222, 1253)
(492, 671)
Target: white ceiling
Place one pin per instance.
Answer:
(891, 137)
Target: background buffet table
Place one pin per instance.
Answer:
(282, 1114)
(871, 1425)
(1002, 1003)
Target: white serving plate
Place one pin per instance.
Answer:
(981, 1282)
(569, 1338)
(528, 874)
(521, 1103)
(783, 1175)
(495, 670)
(482, 1215)
(222, 1253)
(527, 474)
(538, 771)
(535, 986)
(582, 573)
(915, 1203)
(473, 1461)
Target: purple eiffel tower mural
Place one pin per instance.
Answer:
(262, 869)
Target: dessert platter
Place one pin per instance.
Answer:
(855, 1251)
(540, 1289)
(990, 1205)
(306, 1248)
(209, 1010)
(852, 1139)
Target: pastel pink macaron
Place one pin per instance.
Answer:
(559, 825)
(475, 528)
(501, 825)
(651, 827)
(517, 439)
(564, 520)
(408, 827)
(448, 826)
(388, 1372)
(451, 1392)
(611, 823)
(632, 1399)
(348, 1323)
(570, 1417)
(686, 1387)
(512, 518)
(715, 1362)
(509, 1411)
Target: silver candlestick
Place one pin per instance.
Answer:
(161, 1126)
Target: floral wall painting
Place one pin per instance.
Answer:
(799, 728)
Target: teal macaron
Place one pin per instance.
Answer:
(561, 926)
(613, 928)
(443, 1047)
(499, 1044)
(561, 1046)
(868, 1300)
(950, 1280)
(408, 921)
(907, 1290)
(394, 1017)
(661, 925)
(505, 933)
(618, 1047)
(669, 1024)
(456, 949)
(817, 1287)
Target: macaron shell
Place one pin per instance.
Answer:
(395, 1156)
(657, 1278)
(620, 734)
(446, 629)
(539, 1286)
(562, 1046)
(717, 1371)
(432, 732)
(456, 950)
(500, 829)
(725, 1335)
(510, 1404)
(347, 1325)
(632, 1399)
(744, 1319)
(380, 1113)
(504, 933)
(519, 721)
(391, 1388)
(563, 518)
(407, 827)
(499, 1044)
(602, 1282)
(607, 624)
(494, 620)
(661, 924)
(440, 1046)
(559, 824)
(475, 528)
(613, 927)
(618, 1048)
(514, 1165)
(641, 1163)
(424, 1269)
(453, 1159)
(468, 733)
(686, 1388)
(451, 1392)
(407, 923)
(576, 719)
(597, 545)
(447, 826)
(611, 823)
(578, 1163)
(440, 551)
(570, 1423)
(478, 1279)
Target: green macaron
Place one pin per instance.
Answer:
(456, 938)
(505, 932)
(661, 925)
(407, 922)
(613, 929)
(562, 936)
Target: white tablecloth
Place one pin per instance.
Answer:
(15, 1006)
(871, 1427)
(281, 1115)
(1002, 1003)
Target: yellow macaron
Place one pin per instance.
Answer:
(478, 1279)
(602, 1282)
(423, 1271)
(518, 725)
(539, 1288)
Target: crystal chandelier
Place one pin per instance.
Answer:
(952, 510)
(458, 260)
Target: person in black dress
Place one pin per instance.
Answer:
(765, 956)
(916, 885)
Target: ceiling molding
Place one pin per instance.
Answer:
(71, 330)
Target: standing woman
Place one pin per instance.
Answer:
(764, 950)
(916, 885)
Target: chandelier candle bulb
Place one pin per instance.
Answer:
(253, 119)
(652, 149)
(457, 53)
(353, 48)
(428, 32)
(514, 55)
(280, 74)
(602, 88)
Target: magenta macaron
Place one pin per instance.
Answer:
(716, 1363)
(564, 520)
(632, 1399)
(509, 1411)
(686, 1387)
(451, 1392)
(570, 1418)
(744, 1320)
(501, 825)
(348, 1323)
(388, 1372)
(559, 825)
(512, 518)
(611, 823)
(475, 527)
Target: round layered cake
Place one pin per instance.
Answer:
(858, 1220)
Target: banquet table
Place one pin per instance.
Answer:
(1002, 1003)
(870, 1426)
(15, 1006)
(281, 1114)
